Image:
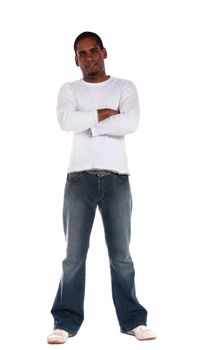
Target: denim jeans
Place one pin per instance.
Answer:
(112, 194)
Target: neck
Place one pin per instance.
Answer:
(96, 79)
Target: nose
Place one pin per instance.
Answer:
(88, 58)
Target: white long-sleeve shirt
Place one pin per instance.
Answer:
(98, 145)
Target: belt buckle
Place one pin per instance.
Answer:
(101, 173)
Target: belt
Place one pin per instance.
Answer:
(100, 172)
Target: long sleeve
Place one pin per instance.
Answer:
(127, 121)
(70, 119)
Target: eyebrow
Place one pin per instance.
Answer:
(82, 51)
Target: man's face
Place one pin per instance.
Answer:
(90, 58)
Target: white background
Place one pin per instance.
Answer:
(156, 45)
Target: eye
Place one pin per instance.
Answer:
(95, 50)
(81, 54)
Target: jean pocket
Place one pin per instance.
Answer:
(122, 178)
(73, 177)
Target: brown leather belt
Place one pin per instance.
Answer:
(100, 172)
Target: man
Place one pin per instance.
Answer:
(100, 110)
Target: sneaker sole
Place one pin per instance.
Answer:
(55, 342)
(146, 339)
(133, 335)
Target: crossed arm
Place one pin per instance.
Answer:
(105, 121)
(105, 113)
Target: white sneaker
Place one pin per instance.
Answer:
(59, 336)
(142, 333)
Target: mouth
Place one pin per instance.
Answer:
(91, 65)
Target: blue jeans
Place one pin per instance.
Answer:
(112, 194)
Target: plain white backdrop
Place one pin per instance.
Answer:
(156, 45)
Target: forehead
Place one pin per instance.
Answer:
(86, 44)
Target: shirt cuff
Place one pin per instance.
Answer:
(96, 117)
(94, 131)
(95, 127)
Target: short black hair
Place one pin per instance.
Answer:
(88, 35)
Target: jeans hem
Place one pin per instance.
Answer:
(134, 325)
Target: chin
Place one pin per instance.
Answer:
(93, 74)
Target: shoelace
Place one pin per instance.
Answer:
(141, 329)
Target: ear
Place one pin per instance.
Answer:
(104, 53)
(76, 60)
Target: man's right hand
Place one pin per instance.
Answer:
(106, 113)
